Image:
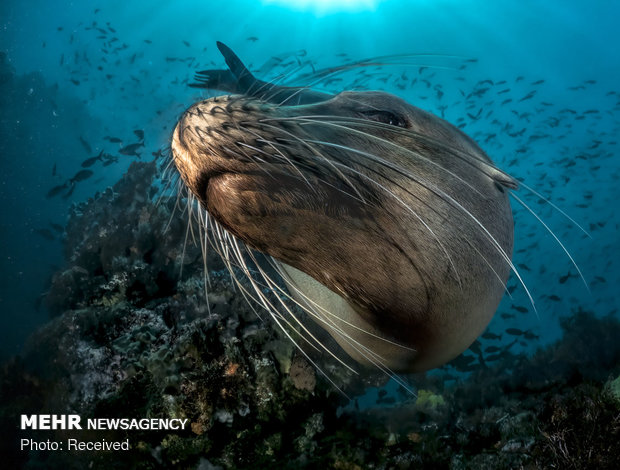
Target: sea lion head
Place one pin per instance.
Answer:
(389, 223)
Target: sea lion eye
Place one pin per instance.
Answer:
(385, 117)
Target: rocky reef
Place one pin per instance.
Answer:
(134, 335)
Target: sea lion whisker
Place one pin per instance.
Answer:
(380, 61)
(188, 230)
(280, 79)
(488, 263)
(222, 248)
(240, 263)
(177, 205)
(273, 145)
(444, 196)
(273, 286)
(374, 358)
(327, 312)
(169, 176)
(400, 201)
(204, 248)
(235, 153)
(466, 238)
(284, 157)
(408, 151)
(371, 356)
(543, 198)
(298, 165)
(281, 321)
(168, 166)
(395, 130)
(492, 172)
(169, 182)
(453, 202)
(193, 216)
(392, 194)
(552, 233)
(203, 228)
(320, 155)
(296, 93)
(413, 153)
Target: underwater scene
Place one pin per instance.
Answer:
(256, 234)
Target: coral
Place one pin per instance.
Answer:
(428, 401)
(612, 387)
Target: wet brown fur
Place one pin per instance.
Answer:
(347, 220)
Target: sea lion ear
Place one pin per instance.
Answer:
(503, 179)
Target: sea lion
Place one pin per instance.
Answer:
(391, 227)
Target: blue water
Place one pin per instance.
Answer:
(72, 81)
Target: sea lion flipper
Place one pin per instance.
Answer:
(238, 69)
(218, 79)
(246, 82)
(240, 80)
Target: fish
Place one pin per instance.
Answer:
(462, 362)
(114, 140)
(109, 160)
(45, 233)
(86, 145)
(507, 316)
(519, 308)
(70, 192)
(489, 335)
(91, 161)
(81, 176)
(530, 95)
(494, 357)
(131, 149)
(514, 331)
(54, 170)
(56, 190)
(252, 38)
(475, 347)
(57, 227)
(139, 134)
(186, 43)
(492, 349)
